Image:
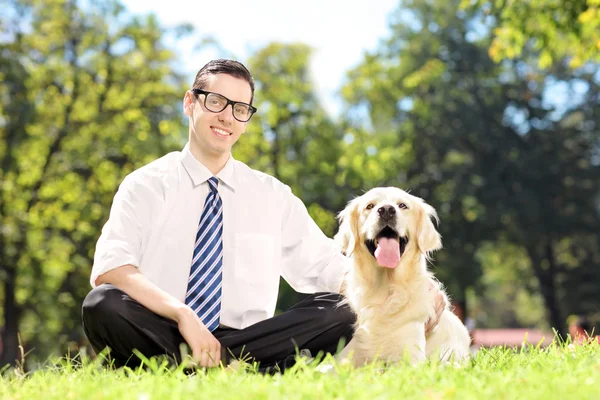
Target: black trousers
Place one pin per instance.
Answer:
(318, 324)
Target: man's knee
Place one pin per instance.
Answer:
(102, 302)
(337, 309)
(345, 315)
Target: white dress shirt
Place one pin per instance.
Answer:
(267, 233)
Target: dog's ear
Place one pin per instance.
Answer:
(428, 237)
(347, 236)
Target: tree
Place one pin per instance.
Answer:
(86, 96)
(418, 90)
(554, 29)
(480, 143)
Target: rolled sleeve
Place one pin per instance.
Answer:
(121, 240)
(312, 262)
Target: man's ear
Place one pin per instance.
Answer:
(428, 237)
(188, 103)
(348, 236)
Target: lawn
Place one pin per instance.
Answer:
(557, 372)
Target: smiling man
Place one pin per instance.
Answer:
(196, 243)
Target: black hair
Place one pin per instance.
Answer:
(223, 66)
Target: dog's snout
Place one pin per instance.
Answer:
(386, 212)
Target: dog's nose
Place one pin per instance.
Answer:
(386, 212)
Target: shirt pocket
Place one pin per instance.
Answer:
(254, 257)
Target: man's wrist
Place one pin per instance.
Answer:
(183, 312)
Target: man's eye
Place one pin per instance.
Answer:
(241, 110)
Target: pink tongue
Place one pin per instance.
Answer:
(388, 252)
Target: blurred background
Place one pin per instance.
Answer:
(489, 110)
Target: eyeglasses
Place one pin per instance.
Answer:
(216, 103)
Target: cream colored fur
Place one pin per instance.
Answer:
(393, 305)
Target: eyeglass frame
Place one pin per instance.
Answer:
(233, 103)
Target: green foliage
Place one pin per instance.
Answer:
(554, 29)
(87, 97)
(292, 136)
(512, 296)
(486, 150)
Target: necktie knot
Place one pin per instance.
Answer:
(213, 183)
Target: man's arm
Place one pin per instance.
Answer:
(138, 287)
(118, 251)
(205, 347)
(311, 262)
(440, 304)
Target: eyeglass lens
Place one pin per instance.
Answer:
(217, 103)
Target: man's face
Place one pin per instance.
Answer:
(213, 134)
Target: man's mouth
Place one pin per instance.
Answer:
(387, 247)
(220, 132)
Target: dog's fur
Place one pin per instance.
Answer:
(393, 304)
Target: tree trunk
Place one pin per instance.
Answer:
(10, 340)
(547, 281)
(556, 317)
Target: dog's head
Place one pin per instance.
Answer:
(386, 221)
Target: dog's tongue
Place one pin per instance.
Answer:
(388, 252)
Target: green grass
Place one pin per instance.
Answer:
(557, 372)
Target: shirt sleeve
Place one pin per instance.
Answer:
(121, 240)
(312, 262)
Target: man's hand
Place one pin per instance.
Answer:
(439, 304)
(206, 349)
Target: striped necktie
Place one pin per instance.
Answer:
(204, 284)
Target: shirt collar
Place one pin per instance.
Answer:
(200, 174)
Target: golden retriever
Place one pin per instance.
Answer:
(389, 234)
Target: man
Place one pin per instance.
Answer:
(196, 243)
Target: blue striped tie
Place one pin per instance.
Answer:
(204, 284)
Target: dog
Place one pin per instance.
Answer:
(389, 234)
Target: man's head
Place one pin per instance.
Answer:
(222, 66)
(219, 106)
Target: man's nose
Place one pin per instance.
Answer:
(386, 212)
(227, 114)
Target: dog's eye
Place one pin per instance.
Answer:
(370, 206)
(403, 206)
